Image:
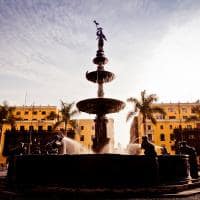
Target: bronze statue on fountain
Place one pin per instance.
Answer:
(100, 105)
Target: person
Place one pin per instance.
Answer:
(164, 150)
(188, 150)
(149, 149)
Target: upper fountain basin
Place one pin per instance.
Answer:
(100, 76)
(100, 105)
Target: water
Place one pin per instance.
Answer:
(70, 146)
(134, 149)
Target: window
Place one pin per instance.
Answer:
(189, 126)
(170, 127)
(25, 119)
(18, 113)
(192, 110)
(92, 127)
(31, 128)
(172, 147)
(184, 110)
(149, 137)
(26, 112)
(21, 128)
(49, 128)
(40, 128)
(82, 138)
(160, 116)
(170, 109)
(43, 112)
(185, 117)
(34, 119)
(198, 125)
(162, 137)
(161, 127)
(82, 127)
(172, 117)
(34, 112)
(149, 127)
(42, 119)
(172, 137)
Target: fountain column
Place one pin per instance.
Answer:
(100, 105)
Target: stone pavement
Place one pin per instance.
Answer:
(59, 193)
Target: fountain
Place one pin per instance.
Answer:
(100, 106)
(86, 173)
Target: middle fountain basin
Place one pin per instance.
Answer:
(93, 171)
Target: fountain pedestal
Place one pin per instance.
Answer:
(100, 133)
(100, 105)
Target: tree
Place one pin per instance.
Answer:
(196, 110)
(67, 112)
(145, 108)
(52, 116)
(6, 115)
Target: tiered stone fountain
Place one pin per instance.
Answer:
(100, 105)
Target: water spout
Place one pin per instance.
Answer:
(70, 146)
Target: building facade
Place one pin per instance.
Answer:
(162, 134)
(34, 117)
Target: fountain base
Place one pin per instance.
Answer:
(97, 171)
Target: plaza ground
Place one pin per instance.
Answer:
(56, 193)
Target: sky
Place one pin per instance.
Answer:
(46, 47)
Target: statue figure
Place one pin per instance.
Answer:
(149, 149)
(188, 150)
(100, 36)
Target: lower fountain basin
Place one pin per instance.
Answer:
(93, 171)
(100, 105)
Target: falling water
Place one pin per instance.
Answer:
(134, 149)
(70, 146)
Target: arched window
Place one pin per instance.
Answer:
(162, 137)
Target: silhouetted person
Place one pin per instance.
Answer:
(164, 150)
(149, 149)
(188, 150)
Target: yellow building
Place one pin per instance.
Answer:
(162, 133)
(2, 139)
(36, 118)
